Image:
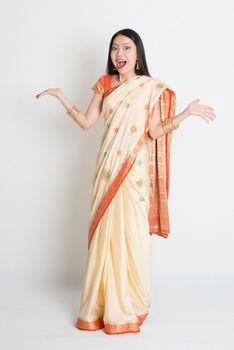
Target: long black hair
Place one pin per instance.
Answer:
(135, 37)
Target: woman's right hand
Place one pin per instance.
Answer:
(52, 92)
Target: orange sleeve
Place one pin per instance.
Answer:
(99, 86)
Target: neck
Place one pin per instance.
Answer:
(125, 76)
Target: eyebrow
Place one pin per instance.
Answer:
(122, 44)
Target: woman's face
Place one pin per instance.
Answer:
(124, 50)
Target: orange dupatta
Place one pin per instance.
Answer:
(159, 169)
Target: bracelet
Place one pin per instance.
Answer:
(175, 126)
(168, 126)
(73, 112)
(72, 109)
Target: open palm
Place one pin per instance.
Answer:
(204, 111)
(52, 92)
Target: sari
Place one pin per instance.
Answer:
(129, 203)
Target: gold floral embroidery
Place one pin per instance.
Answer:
(106, 174)
(160, 85)
(159, 153)
(116, 130)
(110, 110)
(119, 152)
(139, 183)
(141, 84)
(147, 106)
(133, 128)
(124, 170)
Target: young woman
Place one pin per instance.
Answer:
(130, 186)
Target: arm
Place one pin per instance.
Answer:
(156, 130)
(85, 120)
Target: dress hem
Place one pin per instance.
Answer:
(111, 329)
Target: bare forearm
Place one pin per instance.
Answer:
(181, 116)
(158, 130)
(81, 120)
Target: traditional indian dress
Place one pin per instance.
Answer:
(129, 203)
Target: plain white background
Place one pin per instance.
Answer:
(47, 164)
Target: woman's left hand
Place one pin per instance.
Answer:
(204, 111)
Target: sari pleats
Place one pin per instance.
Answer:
(116, 293)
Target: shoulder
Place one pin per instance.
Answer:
(103, 83)
(161, 85)
(105, 79)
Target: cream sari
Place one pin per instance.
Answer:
(128, 204)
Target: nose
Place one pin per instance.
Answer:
(119, 52)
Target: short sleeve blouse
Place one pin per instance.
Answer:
(103, 84)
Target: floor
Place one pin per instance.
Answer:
(186, 314)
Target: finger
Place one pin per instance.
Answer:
(45, 91)
(43, 94)
(204, 118)
(38, 95)
(206, 109)
(211, 114)
(197, 100)
(208, 116)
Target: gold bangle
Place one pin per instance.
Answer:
(73, 108)
(175, 126)
(73, 112)
(167, 126)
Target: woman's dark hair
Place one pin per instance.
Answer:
(143, 69)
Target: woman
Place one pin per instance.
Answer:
(130, 186)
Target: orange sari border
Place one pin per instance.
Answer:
(159, 156)
(126, 167)
(121, 328)
(91, 325)
(132, 327)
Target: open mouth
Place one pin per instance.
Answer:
(120, 64)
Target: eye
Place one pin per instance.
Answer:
(127, 47)
(113, 48)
